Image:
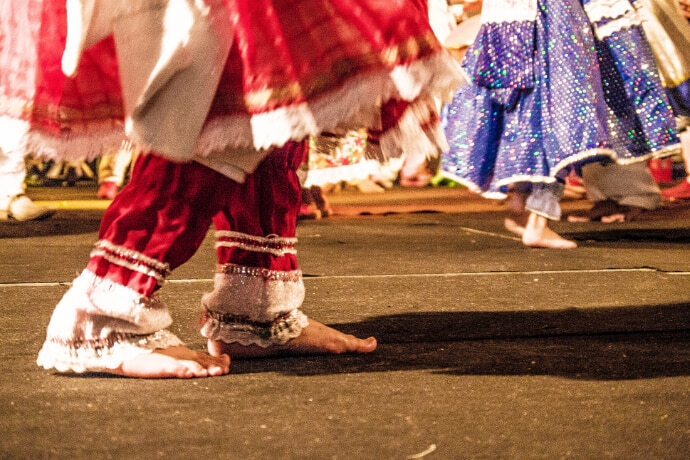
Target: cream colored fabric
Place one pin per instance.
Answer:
(669, 36)
(508, 11)
(440, 18)
(628, 185)
(171, 54)
(12, 174)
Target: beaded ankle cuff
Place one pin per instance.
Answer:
(253, 305)
(242, 330)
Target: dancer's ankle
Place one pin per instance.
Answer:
(537, 234)
(315, 339)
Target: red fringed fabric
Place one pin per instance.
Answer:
(296, 67)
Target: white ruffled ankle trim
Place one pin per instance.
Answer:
(235, 329)
(98, 324)
(101, 355)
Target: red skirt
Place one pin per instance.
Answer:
(296, 67)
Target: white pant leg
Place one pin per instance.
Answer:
(628, 185)
(12, 173)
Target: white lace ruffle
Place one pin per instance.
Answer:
(17, 135)
(83, 357)
(100, 296)
(98, 324)
(598, 10)
(620, 13)
(254, 296)
(617, 25)
(508, 11)
(662, 152)
(356, 104)
(247, 334)
(250, 305)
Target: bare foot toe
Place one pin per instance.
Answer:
(618, 217)
(578, 218)
(548, 239)
(174, 362)
(513, 225)
(315, 339)
(538, 235)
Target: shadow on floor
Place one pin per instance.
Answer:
(598, 344)
(64, 222)
(630, 235)
(660, 347)
(603, 357)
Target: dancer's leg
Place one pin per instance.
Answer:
(542, 204)
(111, 320)
(14, 204)
(516, 220)
(258, 290)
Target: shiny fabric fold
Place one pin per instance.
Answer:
(592, 99)
(504, 55)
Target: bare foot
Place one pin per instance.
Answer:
(320, 201)
(174, 362)
(315, 339)
(607, 211)
(618, 217)
(538, 235)
(517, 215)
(516, 223)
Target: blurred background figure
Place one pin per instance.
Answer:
(68, 173)
(620, 193)
(14, 204)
(668, 32)
(332, 159)
(113, 169)
(523, 126)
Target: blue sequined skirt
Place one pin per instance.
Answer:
(589, 100)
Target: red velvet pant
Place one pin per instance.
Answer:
(161, 217)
